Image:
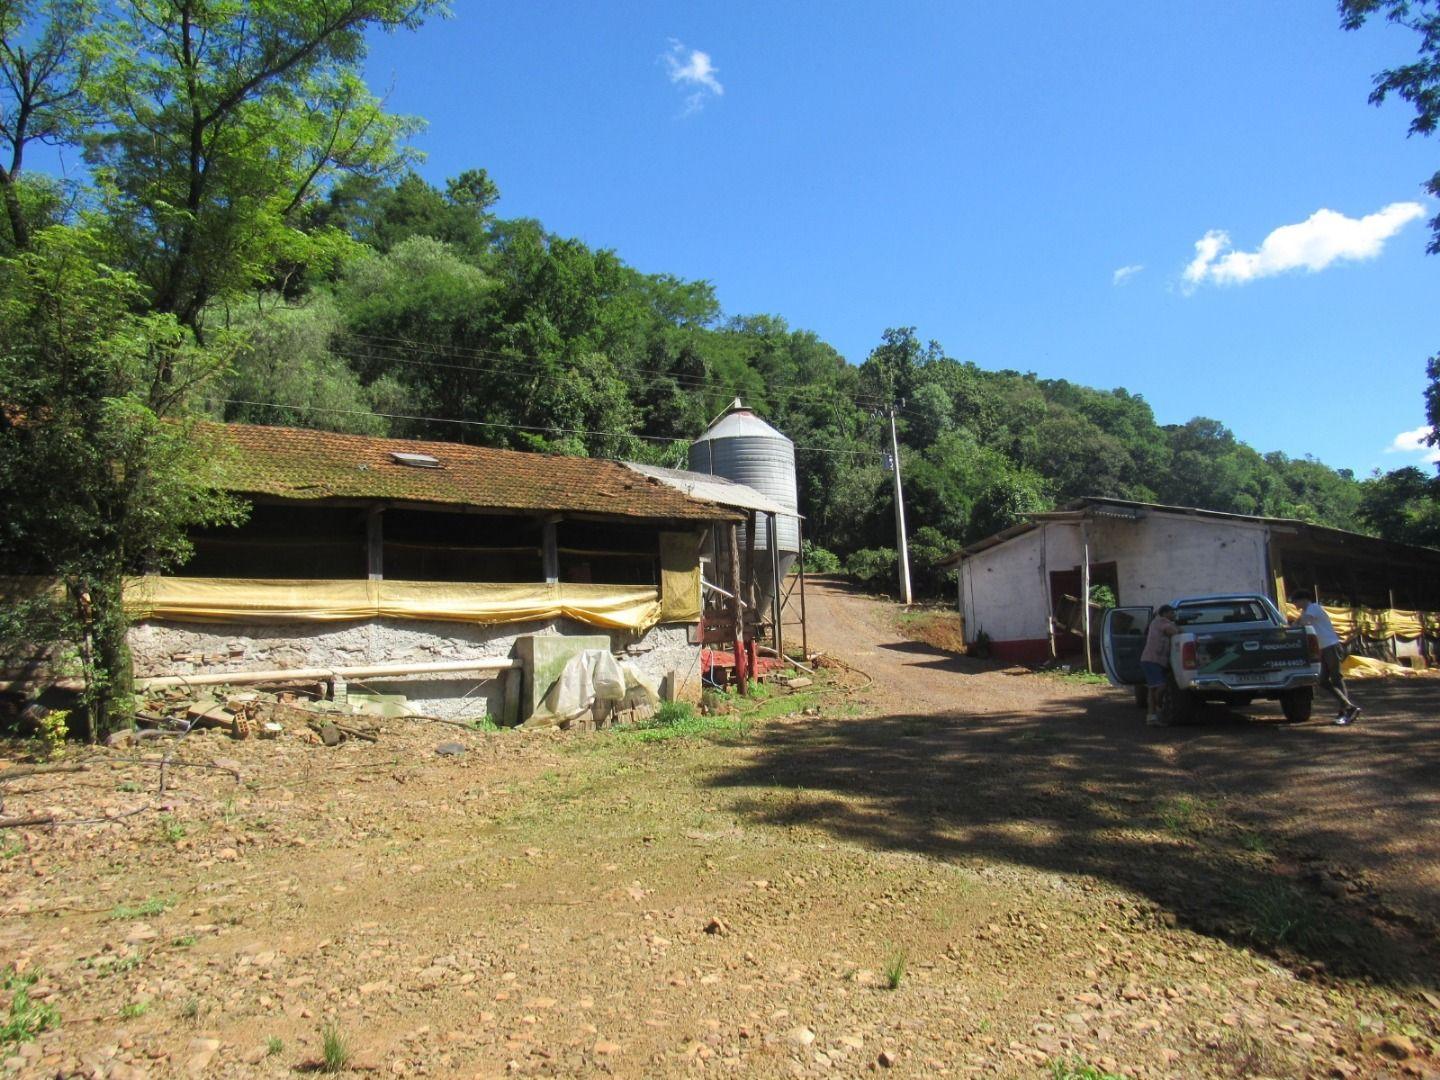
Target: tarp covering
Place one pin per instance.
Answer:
(593, 682)
(680, 576)
(179, 599)
(1376, 623)
(1367, 667)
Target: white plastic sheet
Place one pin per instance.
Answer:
(594, 682)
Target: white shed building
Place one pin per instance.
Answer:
(1021, 586)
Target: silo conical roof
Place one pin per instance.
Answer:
(740, 423)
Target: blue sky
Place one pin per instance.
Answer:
(981, 172)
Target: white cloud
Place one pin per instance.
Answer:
(1125, 273)
(694, 70)
(1323, 238)
(1413, 442)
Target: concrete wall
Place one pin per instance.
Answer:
(1004, 590)
(1166, 556)
(1158, 558)
(168, 648)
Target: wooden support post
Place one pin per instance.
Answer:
(375, 543)
(775, 594)
(804, 634)
(1085, 589)
(550, 550)
(751, 592)
(736, 611)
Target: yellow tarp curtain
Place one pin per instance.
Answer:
(680, 577)
(1376, 623)
(619, 607)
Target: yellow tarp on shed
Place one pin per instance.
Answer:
(680, 577)
(620, 607)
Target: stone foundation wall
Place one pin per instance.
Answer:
(168, 648)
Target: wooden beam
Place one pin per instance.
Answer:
(751, 593)
(375, 543)
(775, 595)
(1085, 588)
(550, 550)
(735, 610)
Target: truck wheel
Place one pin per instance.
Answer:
(1142, 697)
(1176, 705)
(1298, 703)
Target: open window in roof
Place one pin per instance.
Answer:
(415, 461)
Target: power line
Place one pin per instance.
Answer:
(685, 379)
(510, 427)
(821, 397)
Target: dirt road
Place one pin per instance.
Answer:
(1364, 799)
(956, 872)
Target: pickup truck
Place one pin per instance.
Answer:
(1231, 649)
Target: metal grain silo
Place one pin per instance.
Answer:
(741, 447)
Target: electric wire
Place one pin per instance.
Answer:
(537, 428)
(693, 381)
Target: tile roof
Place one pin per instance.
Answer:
(301, 464)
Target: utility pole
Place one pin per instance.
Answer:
(901, 546)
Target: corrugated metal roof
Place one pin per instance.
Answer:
(301, 464)
(740, 423)
(715, 489)
(1128, 509)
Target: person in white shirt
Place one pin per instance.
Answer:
(1331, 654)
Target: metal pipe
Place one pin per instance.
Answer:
(292, 674)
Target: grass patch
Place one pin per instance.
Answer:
(274, 1045)
(1078, 676)
(679, 720)
(1275, 913)
(133, 1010)
(9, 846)
(171, 830)
(1255, 842)
(895, 968)
(147, 908)
(1185, 815)
(183, 942)
(26, 1018)
(191, 1009)
(1074, 1068)
(769, 707)
(334, 1048)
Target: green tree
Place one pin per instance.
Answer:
(220, 120)
(285, 371)
(98, 478)
(46, 63)
(1401, 505)
(1417, 83)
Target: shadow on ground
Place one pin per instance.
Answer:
(1268, 835)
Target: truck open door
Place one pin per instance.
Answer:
(1122, 640)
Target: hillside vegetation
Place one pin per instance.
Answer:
(440, 319)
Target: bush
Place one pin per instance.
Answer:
(927, 547)
(875, 568)
(819, 560)
(673, 714)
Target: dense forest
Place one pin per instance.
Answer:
(443, 320)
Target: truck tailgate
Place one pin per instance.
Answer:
(1256, 652)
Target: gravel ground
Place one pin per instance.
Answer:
(1046, 884)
